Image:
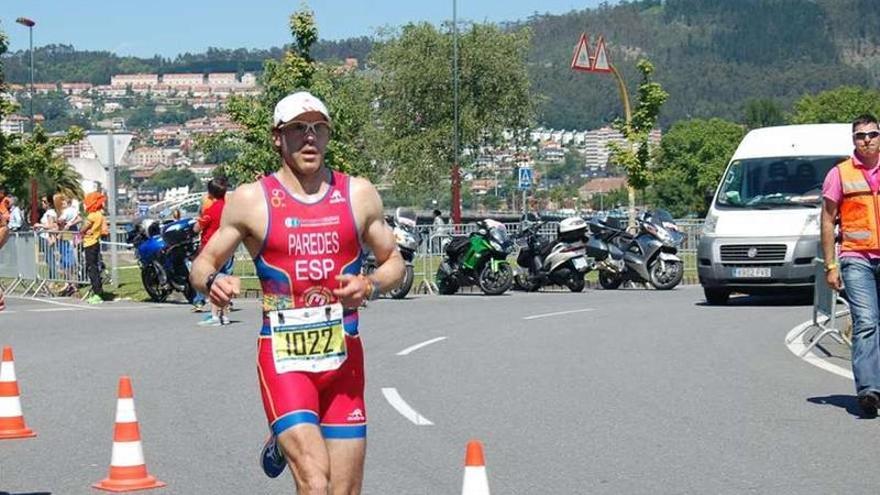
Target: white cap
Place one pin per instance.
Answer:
(296, 104)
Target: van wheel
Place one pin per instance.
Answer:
(716, 297)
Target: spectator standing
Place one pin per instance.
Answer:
(48, 226)
(69, 221)
(16, 218)
(208, 224)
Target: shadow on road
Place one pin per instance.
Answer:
(847, 402)
(28, 493)
(765, 301)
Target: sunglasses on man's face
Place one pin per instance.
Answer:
(862, 135)
(319, 129)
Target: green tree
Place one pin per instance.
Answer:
(174, 177)
(347, 95)
(842, 104)
(763, 112)
(691, 159)
(23, 157)
(416, 107)
(635, 157)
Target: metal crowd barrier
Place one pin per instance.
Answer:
(37, 262)
(828, 307)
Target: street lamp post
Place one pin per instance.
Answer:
(456, 175)
(29, 23)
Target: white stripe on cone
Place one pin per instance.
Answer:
(127, 454)
(10, 407)
(7, 371)
(475, 481)
(125, 411)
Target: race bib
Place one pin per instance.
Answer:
(308, 339)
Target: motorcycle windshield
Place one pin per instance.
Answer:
(405, 217)
(499, 235)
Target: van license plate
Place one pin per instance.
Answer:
(752, 272)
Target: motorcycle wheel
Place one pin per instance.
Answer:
(497, 282)
(447, 284)
(609, 281)
(665, 279)
(150, 279)
(577, 284)
(403, 289)
(521, 282)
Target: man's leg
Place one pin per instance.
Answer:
(308, 458)
(861, 288)
(347, 465)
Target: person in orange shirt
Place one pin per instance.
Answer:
(4, 234)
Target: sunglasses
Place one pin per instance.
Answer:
(862, 135)
(319, 129)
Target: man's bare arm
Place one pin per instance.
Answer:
(233, 230)
(380, 239)
(829, 213)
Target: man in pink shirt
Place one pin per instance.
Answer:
(850, 193)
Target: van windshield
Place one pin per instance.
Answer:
(784, 182)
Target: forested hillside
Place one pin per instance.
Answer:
(712, 56)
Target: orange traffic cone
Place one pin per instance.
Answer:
(11, 418)
(128, 471)
(475, 480)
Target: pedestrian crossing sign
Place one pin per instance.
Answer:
(525, 177)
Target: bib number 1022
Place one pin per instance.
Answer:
(306, 343)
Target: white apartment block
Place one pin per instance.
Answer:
(82, 149)
(222, 79)
(133, 80)
(75, 88)
(248, 79)
(596, 142)
(146, 156)
(183, 80)
(13, 124)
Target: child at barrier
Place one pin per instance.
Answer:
(93, 228)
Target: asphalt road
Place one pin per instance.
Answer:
(617, 392)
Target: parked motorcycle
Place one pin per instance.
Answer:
(164, 254)
(649, 256)
(408, 239)
(559, 262)
(478, 259)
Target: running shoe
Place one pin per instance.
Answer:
(224, 320)
(198, 307)
(94, 299)
(210, 321)
(271, 459)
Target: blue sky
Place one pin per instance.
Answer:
(170, 27)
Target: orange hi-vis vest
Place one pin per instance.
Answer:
(859, 210)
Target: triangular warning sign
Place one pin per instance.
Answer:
(600, 62)
(582, 59)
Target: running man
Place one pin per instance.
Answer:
(304, 226)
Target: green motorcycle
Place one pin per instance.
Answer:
(478, 259)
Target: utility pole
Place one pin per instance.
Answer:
(456, 173)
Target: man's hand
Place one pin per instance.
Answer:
(832, 276)
(224, 288)
(353, 290)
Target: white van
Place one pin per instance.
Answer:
(762, 230)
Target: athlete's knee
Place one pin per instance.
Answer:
(307, 457)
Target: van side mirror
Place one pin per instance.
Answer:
(709, 195)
